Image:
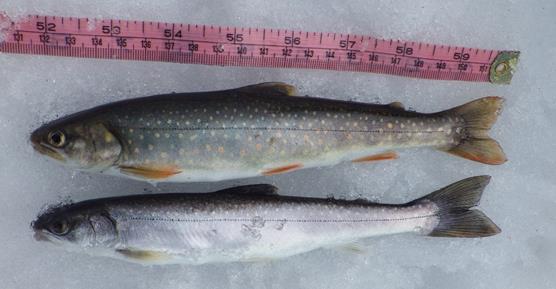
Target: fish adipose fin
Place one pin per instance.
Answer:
(455, 213)
(269, 88)
(154, 172)
(396, 105)
(377, 157)
(479, 116)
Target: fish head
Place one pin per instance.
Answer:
(80, 144)
(76, 226)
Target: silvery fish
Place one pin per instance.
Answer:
(256, 130)
(250, 223)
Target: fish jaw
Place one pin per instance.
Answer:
(42, 147)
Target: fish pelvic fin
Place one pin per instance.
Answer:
(282, 169)
(456, 218)
(151, 172)
(479, 116)
(378, 157)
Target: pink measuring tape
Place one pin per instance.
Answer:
(253, 47)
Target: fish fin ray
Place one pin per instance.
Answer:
(455, 213)
(479, 116)
(377, 157)
(282, 169)
(153, 172)
(269, 88)
(144, 255)
(260, 189)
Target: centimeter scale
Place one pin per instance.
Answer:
(251, 47)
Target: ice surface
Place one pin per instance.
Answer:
(521, 197)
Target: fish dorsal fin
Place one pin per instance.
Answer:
(396, 105)
(268, 88)
(260, 189)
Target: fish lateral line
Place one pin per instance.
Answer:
(279, 220)
(282, 129)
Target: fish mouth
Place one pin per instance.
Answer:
(45, 149)
(41, 236)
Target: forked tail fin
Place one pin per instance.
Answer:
(479, 116)
(456, 218)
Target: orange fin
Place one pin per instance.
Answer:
(282, 169)
(479, 116)
(377, 157)
(153, 172)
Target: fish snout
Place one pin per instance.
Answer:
(40, 146)
(40, 236)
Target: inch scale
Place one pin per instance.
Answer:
(250, 47)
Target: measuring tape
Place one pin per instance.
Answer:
(253, 47)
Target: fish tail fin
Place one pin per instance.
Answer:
(456, 218)
(479, 116)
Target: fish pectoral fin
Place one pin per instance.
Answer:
(153, 172)
(144, 255)
(377, 157)
(282, 169)
(269, 88)
(260, 189)
(354, 248)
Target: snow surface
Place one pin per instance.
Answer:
(521, 198)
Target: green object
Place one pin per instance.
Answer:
(503, 67)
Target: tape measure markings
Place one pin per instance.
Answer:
(256, 47)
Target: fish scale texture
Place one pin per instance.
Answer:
(520, 197)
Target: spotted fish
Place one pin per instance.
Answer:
(252, 223)
(262, 129)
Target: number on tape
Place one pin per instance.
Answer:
(254, 47)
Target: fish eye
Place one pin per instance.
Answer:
(57, 138)
(59, 227)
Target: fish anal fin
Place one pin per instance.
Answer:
(144, 255)
(282, 169)
(269, 88)
(377, 157)
(153, 172)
